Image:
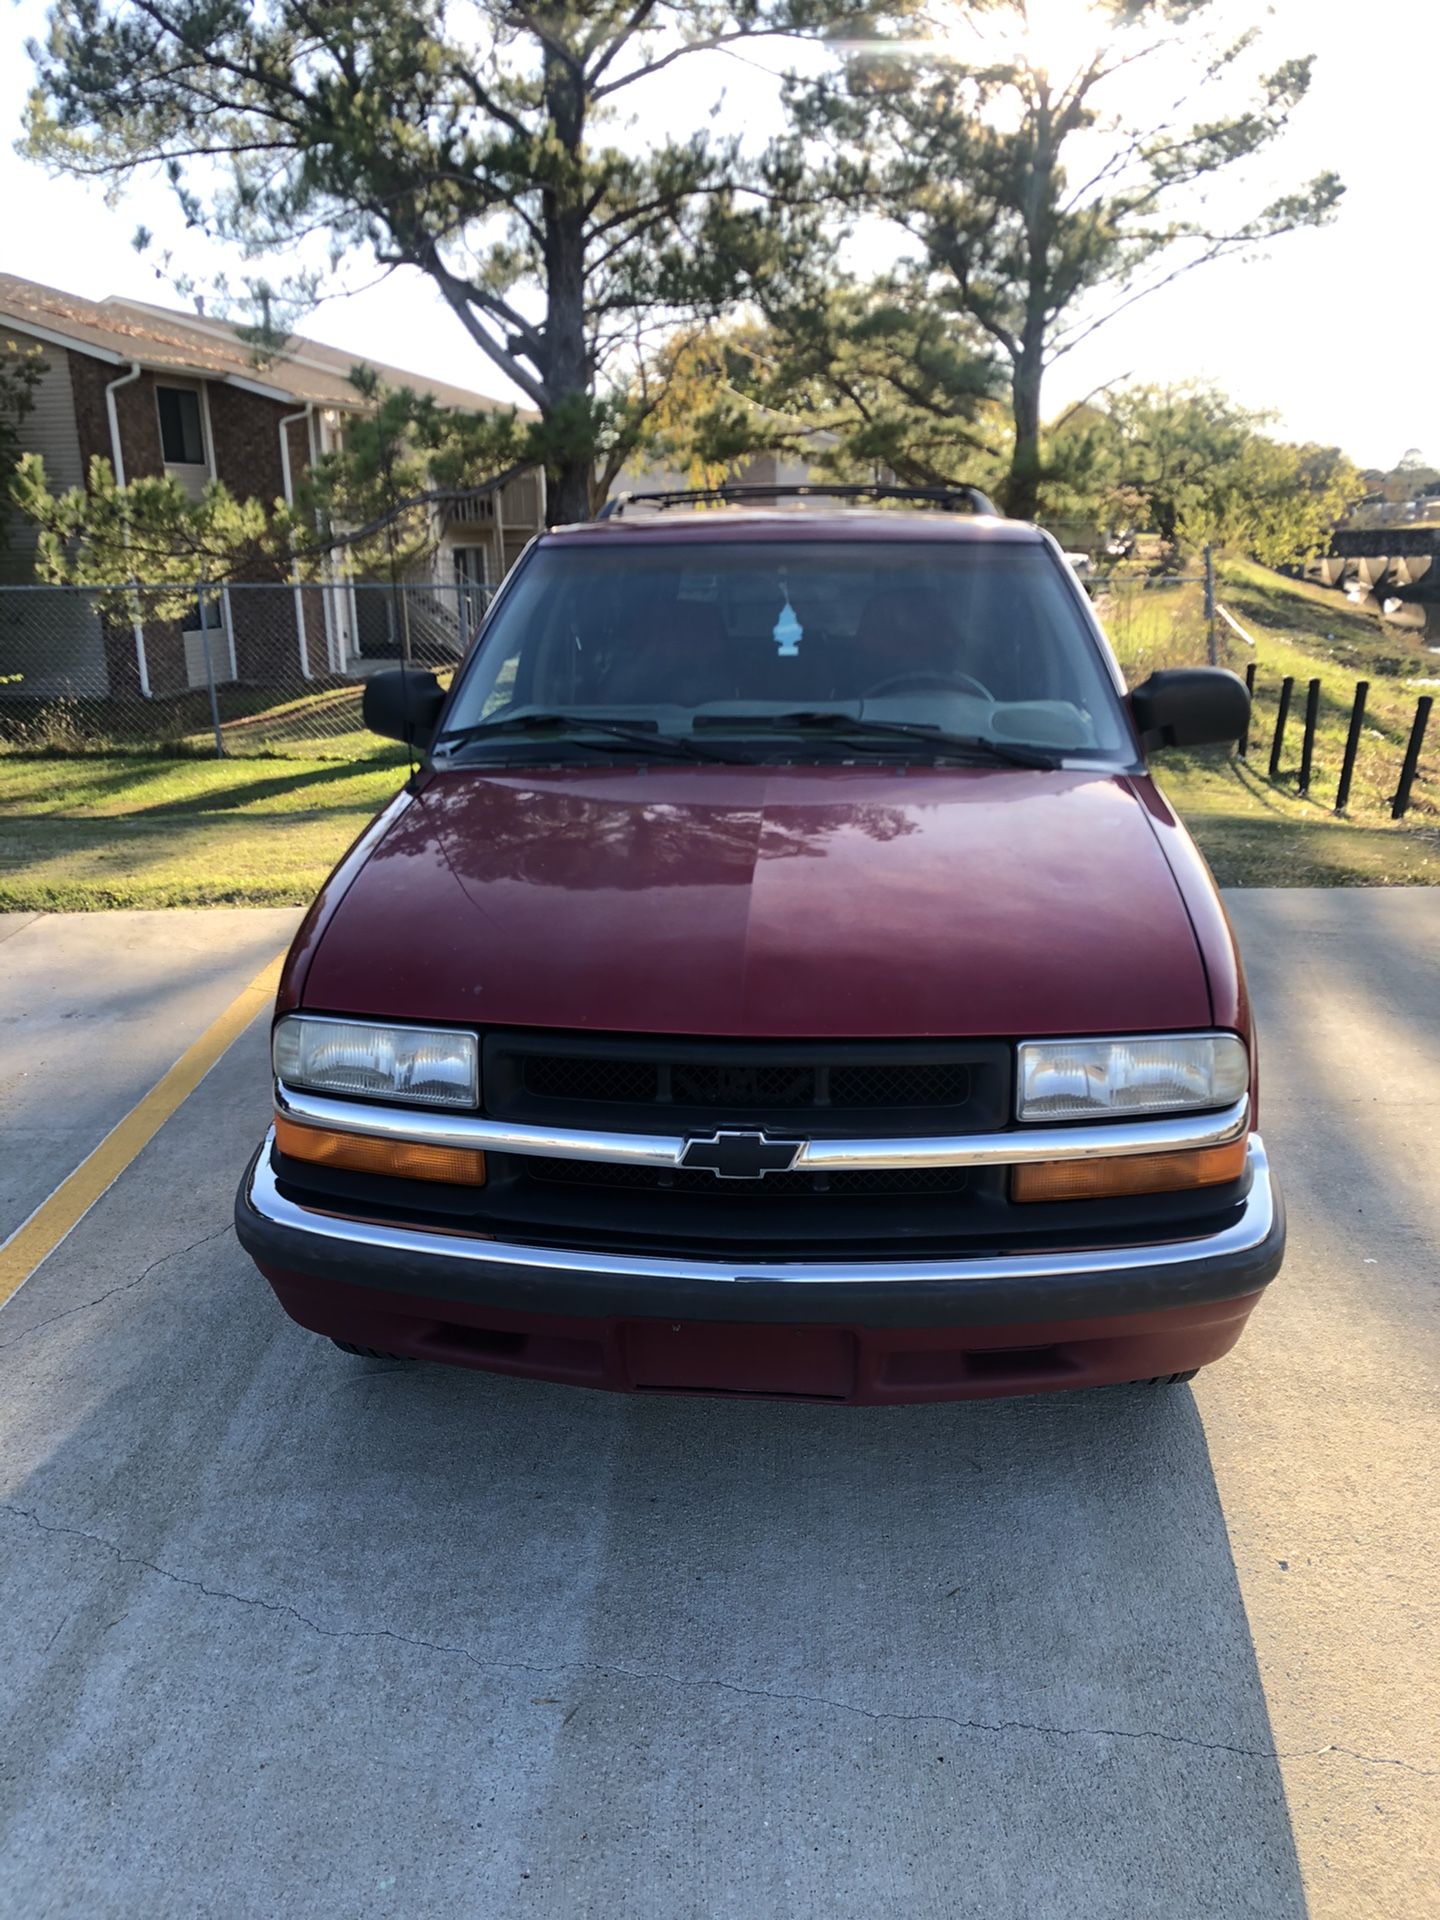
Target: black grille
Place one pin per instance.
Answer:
(691, 1086)
(713, 1084)
(562, 1077)
(900, 1086)
(878, 1180)
(726, 1086)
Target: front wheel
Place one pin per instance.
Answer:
(365, 1353)
(1167, 1379)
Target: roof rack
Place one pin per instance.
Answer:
(946, 499)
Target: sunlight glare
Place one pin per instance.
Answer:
(1057, 37)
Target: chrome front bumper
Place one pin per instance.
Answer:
(308, 1245)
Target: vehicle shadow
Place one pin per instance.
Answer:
(987, 1659)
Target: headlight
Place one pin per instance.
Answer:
(425, 1066)
(1171, 1073)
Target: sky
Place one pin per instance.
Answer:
(1335, 331)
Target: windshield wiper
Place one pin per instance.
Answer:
(863, 731)
(616, 735)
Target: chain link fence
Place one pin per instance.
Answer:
(1163, 620)
(270, 668)
(246, 668)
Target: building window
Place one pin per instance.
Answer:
(206, 610)
(182, 439)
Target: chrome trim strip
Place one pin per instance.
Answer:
(428, 1126)
(1095, 1140)
(1248, 1232)
(1092, 1140)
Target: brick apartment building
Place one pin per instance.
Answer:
(161, 392)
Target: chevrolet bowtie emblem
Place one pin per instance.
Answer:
(740, 1156)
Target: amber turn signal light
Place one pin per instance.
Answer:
(1128, 1173)
(397, 1159)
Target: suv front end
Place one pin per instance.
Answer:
(908, 1221)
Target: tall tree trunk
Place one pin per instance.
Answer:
(1022, 494)
(567, 492)
(568, 372)
(567, 357)
(1022, 489)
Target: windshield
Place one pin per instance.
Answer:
(708, 642)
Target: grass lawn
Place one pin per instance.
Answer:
(1254, 835)
(110, 832)
(147, 830)
(123, 831)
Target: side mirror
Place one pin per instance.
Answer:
(403, 705)
(1190, 707)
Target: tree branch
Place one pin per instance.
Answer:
(710, 43)
(635, 24)
(460, 297)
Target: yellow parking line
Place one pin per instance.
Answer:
(39, 1236)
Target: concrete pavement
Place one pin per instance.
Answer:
(288, 1633)
(93, 1008)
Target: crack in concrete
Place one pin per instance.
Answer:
(600, 1670)
(125, 1286)
(25, 919)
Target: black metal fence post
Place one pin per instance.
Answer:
(1412, 757)
(1287, 687)
(1352, 742)
(1307, 750)
(1243, 745)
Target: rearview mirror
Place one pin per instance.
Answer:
(1190, 707)
(403, 705)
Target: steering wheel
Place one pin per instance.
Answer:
(929, 680)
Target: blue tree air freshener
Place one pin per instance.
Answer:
(788, 631)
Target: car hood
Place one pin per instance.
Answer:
(768, 902)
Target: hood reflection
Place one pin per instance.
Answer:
(588, 834)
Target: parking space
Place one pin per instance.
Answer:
(289, 1632)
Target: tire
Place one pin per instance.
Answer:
(1169, 1379)
(365, 1353)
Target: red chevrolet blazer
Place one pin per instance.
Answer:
(782, 976)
